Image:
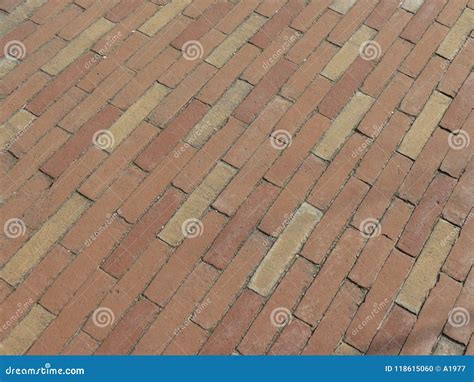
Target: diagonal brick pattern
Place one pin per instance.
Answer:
(236, 177)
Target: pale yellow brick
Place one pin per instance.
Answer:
(424, 125)
(6, 65)
(130, 120)
(412, 5)
(14, 127)
(348, 53)
(343, 126)
(163, 16)
(76, 47)
(285, 249)
(457, 35)
(236, 39)
(218, 114)
(197, 203)
(345, 349)
(19, 14)
(38, 245)
(342, 6)
(424, 274)
(26, 332)
(446, 346)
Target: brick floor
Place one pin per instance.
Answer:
(236, 177)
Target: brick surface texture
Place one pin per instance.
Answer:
(236, 177)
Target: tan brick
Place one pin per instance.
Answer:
(412, 5)
(454, 41)
(218, 114)
(14, 127)
(345, 349)
(343, 126)
(342, 6)
(348, 53)
(197, 202)
(130, 120)
(26, 332)
(424, 125)
(17, 15)
(235, 40)
(424, 274)
(37, 247)
(285, 249)
(77, 46)
(163, 16)
(446, 346)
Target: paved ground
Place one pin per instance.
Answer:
(240, 177)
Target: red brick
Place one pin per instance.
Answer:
(173, 317)
(393, 332)
(228, 333)
(425, 215)
(262, 331)
(422, 20)
(331, 328)
(211, 152)
(334, 219)
(240, 226)
(378, 300)
(451, 12)
(432, 317)
(461, 201)
(300, 146)
(310, 13)
(425, 167)
(81, 344)
(122, 10)
(292, 339)
(461, 106)
(188, 341)
(142, 233)
(319, 295)
(423, 50)
(183, 260)
(381, 14)
(264, 91)
(236, 15)
(395, 218)
(458, 71)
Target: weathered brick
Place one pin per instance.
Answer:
(457, 35)
(163, 17)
